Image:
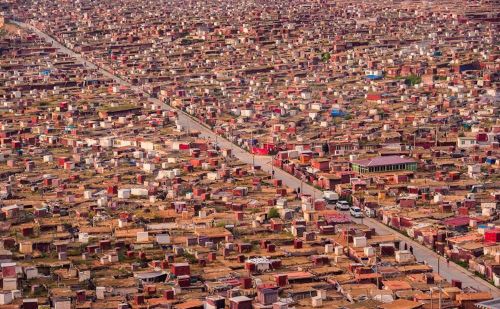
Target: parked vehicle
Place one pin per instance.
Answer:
(356, 212)
(342, 205)
(330, 197)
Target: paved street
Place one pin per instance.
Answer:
(422, 253)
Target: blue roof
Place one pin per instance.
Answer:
(337, 112)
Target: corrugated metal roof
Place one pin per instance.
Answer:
(384, 160)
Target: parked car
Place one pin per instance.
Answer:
(342, 205)
(356, 212)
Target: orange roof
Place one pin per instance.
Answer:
(299, 275)
(130, 233)
(425, 296)
(159, 300)
(474, 296)
(466, 238)
(401, 304)
(367, 276)
(396, 285)
(190, 304)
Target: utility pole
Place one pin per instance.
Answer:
(272, 167)
(432, 301)
(376, 268)
(348, 241)
(436, 136)
(251, 149)
(439, 287)
(415, 138)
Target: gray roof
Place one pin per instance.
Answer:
(239, 299)
(489, 304)
(384, 160)
(148, 274)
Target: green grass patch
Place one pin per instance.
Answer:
(119, 108)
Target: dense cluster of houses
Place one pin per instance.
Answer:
(107, 201)
(281, 75)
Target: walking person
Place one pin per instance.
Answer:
(411, 249)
